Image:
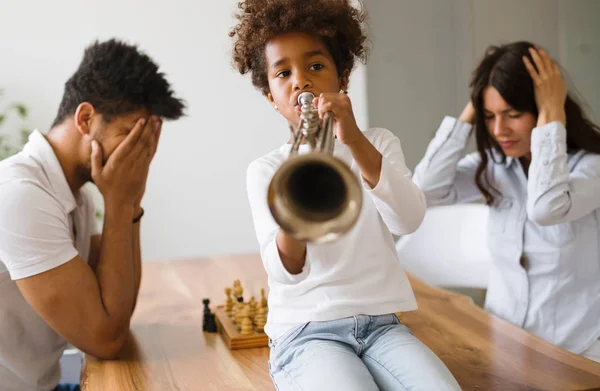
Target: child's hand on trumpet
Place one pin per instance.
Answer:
(344, 124)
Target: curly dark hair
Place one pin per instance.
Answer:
(117, 79)
(337, 22)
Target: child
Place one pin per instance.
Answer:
(331, 321)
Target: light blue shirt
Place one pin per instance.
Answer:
(543, 233)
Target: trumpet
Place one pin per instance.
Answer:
(314, 197)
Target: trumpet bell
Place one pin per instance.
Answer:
(315, 197)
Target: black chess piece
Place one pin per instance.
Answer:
(209, 323)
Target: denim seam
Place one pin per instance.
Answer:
(290, 335)
(361, 343)
(404, 327)
(362, 347)
(382, 366)
(371, 325)
(273, 377)
(291, 379)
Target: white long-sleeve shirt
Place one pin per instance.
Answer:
(543, 233)
(360, 273)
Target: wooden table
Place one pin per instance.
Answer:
(168, 350)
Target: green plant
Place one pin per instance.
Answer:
(6, 147)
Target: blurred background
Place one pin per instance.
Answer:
(196, 206)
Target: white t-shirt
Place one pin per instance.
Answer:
(42, 226)
(360, 273)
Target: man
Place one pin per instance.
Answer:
(59, 281)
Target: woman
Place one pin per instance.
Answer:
(538, 169)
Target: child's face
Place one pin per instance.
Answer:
(299, 62)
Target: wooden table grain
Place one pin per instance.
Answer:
(167, 349)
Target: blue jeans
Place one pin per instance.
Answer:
(67, 387)
(360, 353)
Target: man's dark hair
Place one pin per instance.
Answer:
(116, 78)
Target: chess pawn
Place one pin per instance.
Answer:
(234, 313)
(206, 314)
(246, 327)
(228, 302)
(263, 299)
(208, 320)
(210, 324)
(206, 302)
(239, 308)
(253, 305)
(260, 319)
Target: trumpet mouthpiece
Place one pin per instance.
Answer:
(305, 97)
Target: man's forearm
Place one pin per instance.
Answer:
(137, 259)
(115, 270)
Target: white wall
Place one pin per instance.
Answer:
(196, 201)
(418, 69)
(424, 52)
(579, 36)
(499, 22)
(568, 29)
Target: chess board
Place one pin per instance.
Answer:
(232, 336)
(240, 322)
